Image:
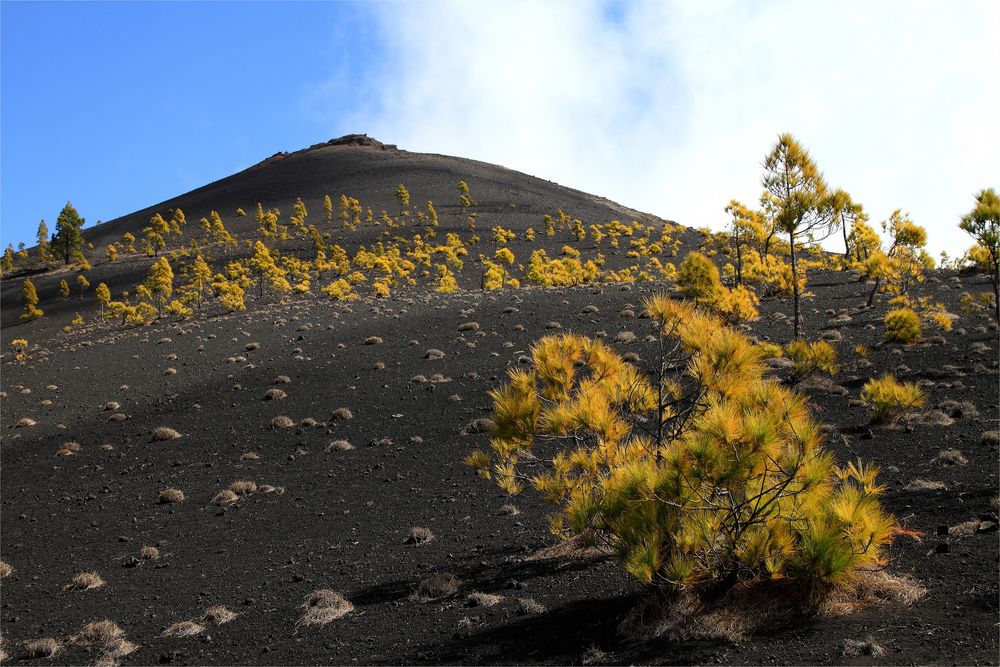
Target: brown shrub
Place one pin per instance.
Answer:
(274, 395)
(281, 421)
(433, 353)
(418, 536)
(437, 587)
(225, 498)
(339, 446)
(24, 422)
(5, 570)
(282, 379)
(341, 413)
(85, 581)
(165, 433)
(171, 496)
(373, 340)
(481, 425)
(323, 606)
(46, 647)
(183, 629)
(469, 326)
(218, 615)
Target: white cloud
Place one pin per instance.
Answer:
(670, 107)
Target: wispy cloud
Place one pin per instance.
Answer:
(670, 107)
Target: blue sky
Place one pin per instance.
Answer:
(116, 106)
(666, 106)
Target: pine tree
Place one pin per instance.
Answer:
(82, 281)
(200, 278)
(845, 213)
(328, 209)
(42, 237)
(7, 263)
(30, 298)
(68, 239)
(103, 295)
(703, 475)
(159, 284)
(263, 265)
(403, 197)
(983, 224)
(63, 289)
(803, 209)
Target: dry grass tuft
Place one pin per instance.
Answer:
(625, 337)
(553, 325)
(267, 489)
(373, 340)
(274, 395)
(225, 498)
(595, 656)
(930, 418)
(165, 433)
(339, 446)
(867, 589)
(418, 379)
(171, 496)
(528, 606)
(250, 347)
(341, 413)
(118, 417)
(964, 529)
(418, 536)
(85, 581)
(282, 379)
(589, 310)
(323, 606)
(509, 510)
(949, 457)
(990, 438)
(249, 456)
(764, 606)
(170, 371)
(281, 421)
(183, 629)
(24, 422)
(925, 485)
(469, 326)
(433, 353)
(68, 448)
(481, 425)
(855, 648)
(218, 615)
(46, 647)
(5, 570)
(110, 406)
(437, 587)
(97, 632)
(477, 599)
(243, 487)
(149, 553)
(576, 548)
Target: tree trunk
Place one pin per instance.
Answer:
(795, 285)
(847, 245)
(739, 264)
(871, 295)
(996, 291)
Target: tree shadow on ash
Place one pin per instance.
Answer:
(560, 636)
